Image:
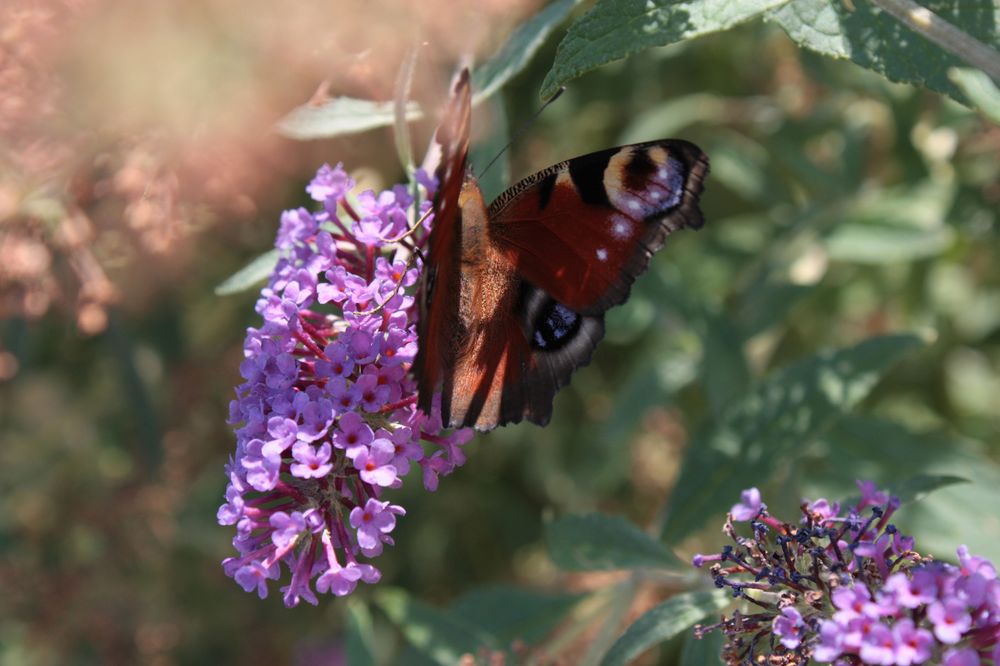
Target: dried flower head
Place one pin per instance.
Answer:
(847, 588)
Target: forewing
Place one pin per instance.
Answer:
(584, 229)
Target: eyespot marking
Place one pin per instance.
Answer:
(555, 326)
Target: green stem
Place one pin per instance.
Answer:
(944, 34)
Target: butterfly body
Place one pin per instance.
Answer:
(515, 293)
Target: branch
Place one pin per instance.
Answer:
(944, 34)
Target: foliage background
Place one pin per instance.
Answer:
(140, 168)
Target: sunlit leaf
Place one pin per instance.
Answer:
(615, 29)
(878, 41)
(663, 622)
(401, 96)
(878, 243)
(792, 406)
(598, 542)
(341, 115)
(896, 225)
(979, 89)
(250, 276)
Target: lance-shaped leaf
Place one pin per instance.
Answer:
(598, 542)
(662, 623)
(250, 275)
(436, 634)
(615, 29)
(979, 89)
(513, 614)
(790, 408)
(878, 41)
(517, 52)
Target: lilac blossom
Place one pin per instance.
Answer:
(326, 418)
(846, 588)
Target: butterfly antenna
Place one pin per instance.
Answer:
(524, 128)
(412, 229)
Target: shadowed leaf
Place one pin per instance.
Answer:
(438, 635)
(791, 407)
(598, 542)
(663, 622)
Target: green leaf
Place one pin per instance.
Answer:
(896, 225)
(916, 488)
(341, 115)
(401, 95)
(517, 52)
(877, 41)
(598, 542)
(615, 29)
(767, 304)
(664, 622)
(789, 409)
(706, 651)
(250, 275)
(866, 447)
(510, 614)
(979, 89)
(671, 117)
(724, 371)
(436, 634)
(359, 634)
(877, 242)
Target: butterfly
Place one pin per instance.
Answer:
(513, 296)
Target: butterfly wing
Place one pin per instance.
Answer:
(514, 296)
(546, 260)
(440, 288)
(584, 229)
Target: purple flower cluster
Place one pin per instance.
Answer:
(326, 419)
(847, 588)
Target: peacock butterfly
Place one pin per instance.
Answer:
(513, 296)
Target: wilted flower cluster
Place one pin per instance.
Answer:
(845, 587)
(326, 419)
